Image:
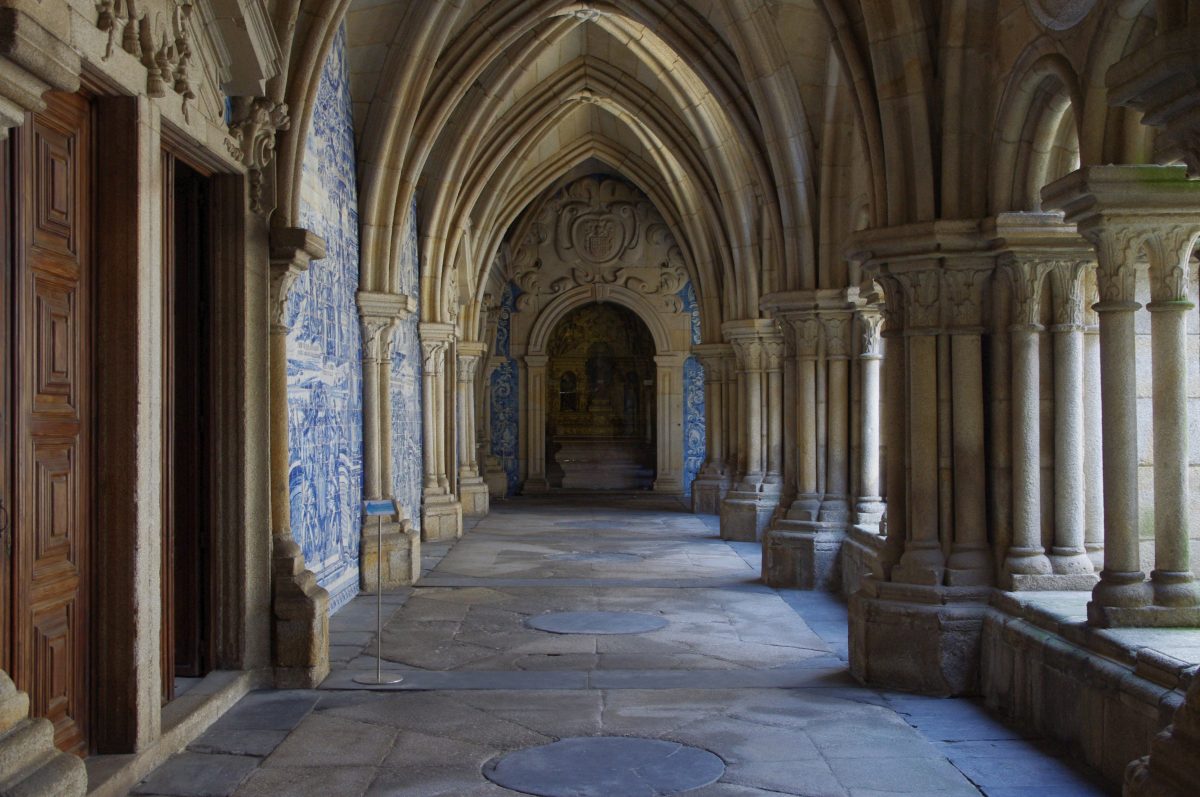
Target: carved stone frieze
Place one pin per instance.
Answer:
(255, 123)
(599, 231)
(157, 32)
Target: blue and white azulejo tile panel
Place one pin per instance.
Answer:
(694, 444)
(325, 348)
(407, 425)
(505, 409)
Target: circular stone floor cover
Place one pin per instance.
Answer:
(596, 622)
(605, 766)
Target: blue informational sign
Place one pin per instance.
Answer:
(379, 507)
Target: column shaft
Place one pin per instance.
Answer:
(1026, 556)
(1069, 556)
(970, 561)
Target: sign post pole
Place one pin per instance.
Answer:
(378, 509)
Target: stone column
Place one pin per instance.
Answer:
(1068, 557)
(806, 328)
(773, 350)
(1170, 250)
(669, 407)
(732, 404)
(712, 482)
(869, 507)
(923, 561)
(535, 425)
(970, 561)
(894, 524)
(300, 607)
(1026, 556)
(473, 492)
(441, 511)
(1093, 460)
(746, 509)
(1109, 204)
(835, 504)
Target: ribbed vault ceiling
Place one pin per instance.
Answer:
(475, 110)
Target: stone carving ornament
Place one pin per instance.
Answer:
(256, 121)
(1059, 14)
(599, 230)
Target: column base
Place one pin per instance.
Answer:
(475, 497)
(869, 511)
(300, 620)
(805, 507)
(969, 567)
(495, 478)
(707, 493)
(670, 485)
(1143, 616)
(1053, 582)
(441, 518)
(32, 764)
(939, 628)
(834, 510)
(745, 515)
(921, 564)
(535, 486)
(803, 554)
(401, 556)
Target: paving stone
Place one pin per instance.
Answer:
(299, 781)
(603, 766)
(325, 740)
(251, 743)
(198, 775)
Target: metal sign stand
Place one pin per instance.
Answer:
(375, 508)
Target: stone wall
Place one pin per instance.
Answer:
(325, 349)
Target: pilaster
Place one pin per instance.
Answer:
(473, 492)
(749, 504)
(380, 315)
(441, 511)
(713, 480)
(300, 607)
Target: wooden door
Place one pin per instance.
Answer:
(51, 340)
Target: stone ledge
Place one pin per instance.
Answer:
(1167, 657)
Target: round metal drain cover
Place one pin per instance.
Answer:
(596, 622)
(594, 556)
(603, 766)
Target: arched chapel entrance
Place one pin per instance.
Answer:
(600, 401)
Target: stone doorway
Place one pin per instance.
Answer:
(600, 401)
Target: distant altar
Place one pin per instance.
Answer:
(604, 463)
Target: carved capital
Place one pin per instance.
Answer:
(255, 123)
(1170, 252)
(376, 334)
(920, 295)
(837, 336)
(806, 330)
(468, 365)
(1116, 254)
(773, 353)
(749, 353)
(870, 326)
(1026, 275)
(1066, 279)
(433, 357)
(963, 297)
(292, 250)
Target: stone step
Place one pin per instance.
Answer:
(58, 774)
(14, 704)
(23, 748)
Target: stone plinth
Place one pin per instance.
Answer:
(401, 555)
(475, 498)
(603, 463)
(31, 764)
(745, 515)
(441, 518)
(917, 638)
(803, 554)
(301, 627)
(707, 494)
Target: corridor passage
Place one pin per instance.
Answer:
(681, 646)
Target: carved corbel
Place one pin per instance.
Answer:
(255, 123)
(33, 61)
(292, 250)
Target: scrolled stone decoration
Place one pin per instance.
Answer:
(466, 366)
(256, 122)
(375, 332)
(1170, 251)
(433, 357)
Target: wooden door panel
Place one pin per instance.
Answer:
(52, 416)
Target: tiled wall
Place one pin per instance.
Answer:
(324, 349)
(407, 428)
(694, 450)
(505, 409)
